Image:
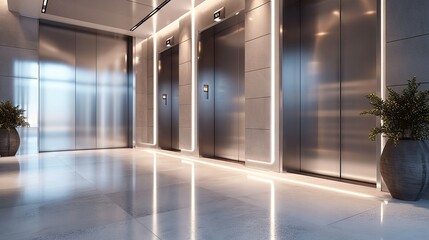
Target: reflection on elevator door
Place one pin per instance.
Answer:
(221, 90)
(168, 103)
(329, 65)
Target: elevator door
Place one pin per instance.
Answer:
(329, 65)
(221, 108)
(320, 87)
(83, 91)
(228, 88)
(168, 103)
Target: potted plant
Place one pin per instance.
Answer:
(11, 117)
(404, 163)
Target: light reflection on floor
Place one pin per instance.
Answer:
(146, 194)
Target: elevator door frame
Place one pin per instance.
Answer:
(207, 100)
(168, 133)
(83, 126)
(364, 170)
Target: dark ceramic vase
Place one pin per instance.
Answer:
(9, 142)
(404, 168)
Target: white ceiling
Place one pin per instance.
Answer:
(109, 15)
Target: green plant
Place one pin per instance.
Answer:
(404, 116)
(11, 116)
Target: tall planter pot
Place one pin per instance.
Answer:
(9, 142)
(404, 168)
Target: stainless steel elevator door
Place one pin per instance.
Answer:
(175, 98)
(83, 90)
(86, 90)
(229, 93)
(112, 92)
(168, 99)
(206, 99)
(57, 88)
(358, 78)
(320, 87)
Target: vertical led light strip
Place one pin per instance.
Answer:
(155, 88)
(383, 52)
(273, 80)
(382, 73)
(273, 88)
(193, 67)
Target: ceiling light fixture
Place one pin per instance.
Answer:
(150, 15)
(44, 6)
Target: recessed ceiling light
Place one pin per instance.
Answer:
(44, 6)
(150, 15)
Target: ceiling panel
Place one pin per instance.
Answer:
(108, 15)
(152, 3)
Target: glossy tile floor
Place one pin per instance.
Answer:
(142, 194)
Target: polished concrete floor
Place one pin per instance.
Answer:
(142, 194)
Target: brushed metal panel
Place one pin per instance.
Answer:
(16, 62)
(206, 100)
(185, 75)
(185, 138)
(221, 109)
(240, 97)
(233, 6)
(57, 88)
(405, 19)
(251, 4)
(185, 116)
(320, 87)
(257, 83)
(23, 92)
(291, 86)
(358, 78)
(259, 57)
(86, 90)
(258, 144)
(112, 92)
(407, 58)
(175, 98)
(258, 22)
(227, 99)
(168, 109)
(165, 105)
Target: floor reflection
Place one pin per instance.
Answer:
(192, 224)
(148, 194)
(272, 234)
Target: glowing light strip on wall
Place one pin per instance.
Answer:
(155, 88)
(382, 69)
(273, 88)
(193, 76)
(268, 175)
